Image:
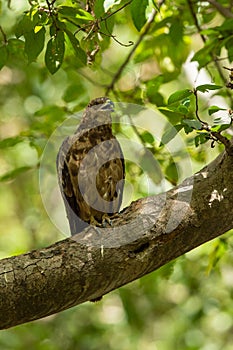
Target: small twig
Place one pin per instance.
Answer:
(215, 136)
(193, 13)
(96, 23)
(224, 58)
(196, 110)
(225, 12)
(214, 58)
(126, 61)
(113, 13)
(3, 35)
(224, 141)
(49, 5)
(130, 43)
(230, 69)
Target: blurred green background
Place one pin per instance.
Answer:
(187, 304)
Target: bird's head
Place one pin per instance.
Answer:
(102, 104)
(98, 112)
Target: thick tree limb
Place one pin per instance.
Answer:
(151, 232)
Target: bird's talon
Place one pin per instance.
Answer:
(106, 220)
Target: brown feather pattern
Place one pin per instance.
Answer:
(90, 168)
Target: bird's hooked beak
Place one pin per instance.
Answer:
(108, 105)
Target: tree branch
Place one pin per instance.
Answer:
(213, 135)
(151, 232)
(138, 42)
(225, 12)
(199, 29)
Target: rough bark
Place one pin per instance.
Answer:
(145, 236)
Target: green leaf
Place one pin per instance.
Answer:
(176, 31)
(10, 141)
(152, 87)
(74, 91)
(76, 15)
(15, 48)
(173, 116)
(41, 19)
(201, 138)
(82, 14)
(179, 95)
(3, 56)
(138, 13)
(76, 46)
(196, 141)
(172, 173)
(55, 52)
(214, 109)
(192, 123)
(204, 55)
(206, 87)
(183, 109)
(229, 47)
(99, 8)
(170, 134)
(226, 26)
(25, 25)
(14, 173)
(220, 127)
(34, 43)
(106, 29)
(68, 11)
(220, 247)
(147, 137)
(155, 97)
(187, 129)
(155, 83)
(186, 102)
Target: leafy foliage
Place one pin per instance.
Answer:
(57, 55)
(55, 52)
(179, 95)
(179, 102)
(138, 9)
(217, 39)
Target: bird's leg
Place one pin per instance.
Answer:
(106, 219)
(109, 218)
(93, 222)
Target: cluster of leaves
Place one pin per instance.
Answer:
(33, 26)
(168, 39)
(183, 106)
(67, 27)
(188, 296)
(72, 34)
(217, 39)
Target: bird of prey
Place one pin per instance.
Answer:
(90, 167)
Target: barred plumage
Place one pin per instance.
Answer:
(90, 168)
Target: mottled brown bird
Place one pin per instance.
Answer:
(90, 168)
